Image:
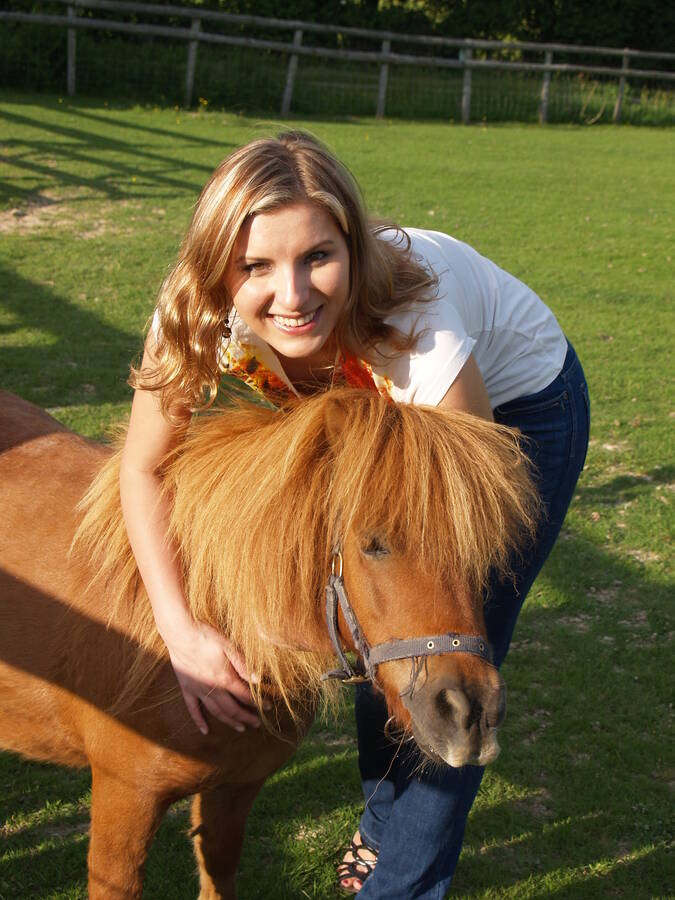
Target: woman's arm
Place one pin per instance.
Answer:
(468, 392)
(209, 671)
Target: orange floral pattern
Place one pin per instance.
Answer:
(240, 360)
(358, 373)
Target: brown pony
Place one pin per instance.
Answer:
(424, 503)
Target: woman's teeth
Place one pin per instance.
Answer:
(295, 323)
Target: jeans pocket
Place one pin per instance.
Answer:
(523, 407)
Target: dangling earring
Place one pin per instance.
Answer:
(227, 331)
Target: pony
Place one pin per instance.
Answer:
(417, 506)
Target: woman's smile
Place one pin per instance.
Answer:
(298, 322)
(289, 281)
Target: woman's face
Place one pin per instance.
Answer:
(288, 278)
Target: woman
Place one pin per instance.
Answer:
(282, 282)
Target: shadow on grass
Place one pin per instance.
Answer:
(626, 486)
(124, 159)
(178, 136)
(80, 359)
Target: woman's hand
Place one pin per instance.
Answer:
(212, 675)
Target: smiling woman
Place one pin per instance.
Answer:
(283, 282)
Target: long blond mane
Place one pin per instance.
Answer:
(259, 497)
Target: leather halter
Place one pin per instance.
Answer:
(371, 657)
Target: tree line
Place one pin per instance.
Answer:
(639, 24)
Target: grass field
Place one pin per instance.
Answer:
(93, 203)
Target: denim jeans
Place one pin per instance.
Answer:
(417, 821)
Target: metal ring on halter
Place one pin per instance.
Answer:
(337, 557)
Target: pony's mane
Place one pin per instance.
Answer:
(259, 497)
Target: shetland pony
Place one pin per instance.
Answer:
(424, 505)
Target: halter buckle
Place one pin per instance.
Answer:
(336, 563)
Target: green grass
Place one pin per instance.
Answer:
(93, 204)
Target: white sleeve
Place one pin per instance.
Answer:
(424, 375)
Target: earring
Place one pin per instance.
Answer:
(227, 331)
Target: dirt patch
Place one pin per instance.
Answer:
(40, 210)
(96, 229)
(538, 805)
(67, 829)
(606, 596)
(619, 447)
(637, 621)
(48, 209)
(307, 834)
(644, 556)
(326, 739)
(581, 622)
(530, 644)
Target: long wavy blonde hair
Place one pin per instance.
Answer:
(193, 302)
(255, 527)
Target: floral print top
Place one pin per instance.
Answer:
(256, 364)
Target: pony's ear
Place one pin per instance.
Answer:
(335, 416)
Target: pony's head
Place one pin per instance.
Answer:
(426, 505)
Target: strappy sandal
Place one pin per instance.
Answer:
(351, 869)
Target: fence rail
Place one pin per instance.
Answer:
(385, 57)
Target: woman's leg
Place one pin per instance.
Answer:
(418, 822)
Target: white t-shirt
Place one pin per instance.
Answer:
(481, 309)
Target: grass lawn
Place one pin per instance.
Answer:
(93, 204)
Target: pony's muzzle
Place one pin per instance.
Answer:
(456, 720)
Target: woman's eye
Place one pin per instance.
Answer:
(254, 268)
(317, 256)
(375, 547)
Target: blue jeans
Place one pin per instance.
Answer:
(417, 822)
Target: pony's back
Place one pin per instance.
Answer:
(47, 627)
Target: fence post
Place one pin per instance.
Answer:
(466, 55)
(290, 74)
(625, 63)
(71, 55)
(382, 86)
(545, 88)
(191, 63)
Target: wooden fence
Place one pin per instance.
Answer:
(469, 58)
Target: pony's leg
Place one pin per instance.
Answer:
(123, 823)
(218, 820)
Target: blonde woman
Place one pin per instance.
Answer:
(283, 282)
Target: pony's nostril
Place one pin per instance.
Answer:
(468, 707)
(445, 706)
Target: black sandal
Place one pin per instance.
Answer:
(351, 869)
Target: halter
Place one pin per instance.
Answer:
(371, 657)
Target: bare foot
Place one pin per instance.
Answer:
(357, 864)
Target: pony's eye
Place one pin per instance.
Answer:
(373, 546)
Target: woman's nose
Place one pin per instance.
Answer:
(293, 288)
